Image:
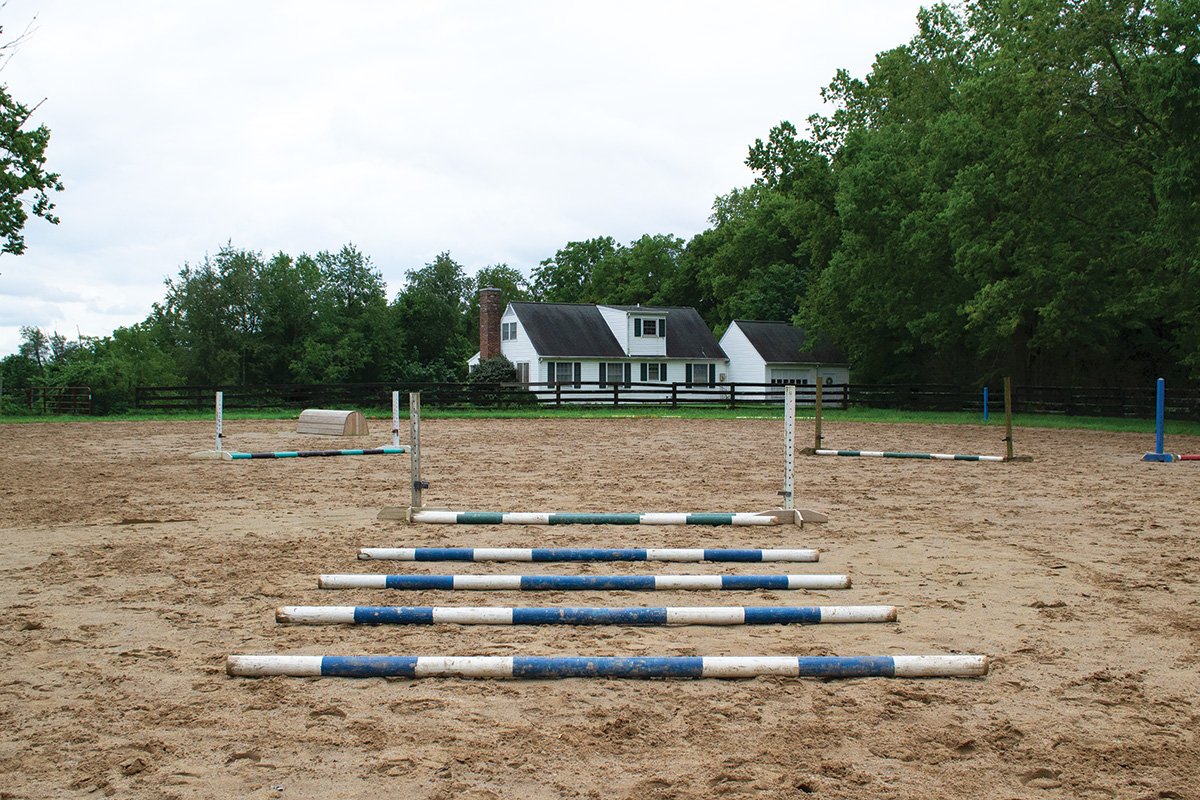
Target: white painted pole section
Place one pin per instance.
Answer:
(315, 615)
(487, 582)
(395, 419)
(675, 554)
(264, 666)
(751, 667)
(352, 582)
(687, 582)
(699, 615)
(465, 666)
(473, 615)
(940, 666)
(220, 418)
(818, 581)
(388, 553)
(435, 517)
(504, 554)
(790, 555)
(789, 445)
(858, 613)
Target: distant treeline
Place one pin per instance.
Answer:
(1016, 191)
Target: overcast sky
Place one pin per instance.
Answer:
(497, 131)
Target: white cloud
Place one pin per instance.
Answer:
(497, 131)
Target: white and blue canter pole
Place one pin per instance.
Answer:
(581, 554)
(628, 583)
(638, 667)
(586, 615)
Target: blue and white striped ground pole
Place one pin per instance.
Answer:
(959, 666)
(375, 451)
(632, 583)
(556, 518)
(673, 615)
(580, 554)
(928, 456)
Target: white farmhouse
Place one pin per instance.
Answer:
(571, 343)
(780, 353)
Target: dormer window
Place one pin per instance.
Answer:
(656, 328)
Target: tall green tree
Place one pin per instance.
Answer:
(25, 183)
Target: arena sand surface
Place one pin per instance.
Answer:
(129, 572)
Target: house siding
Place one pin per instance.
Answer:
(745, 364)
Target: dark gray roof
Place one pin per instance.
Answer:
(579, 331)
(784, 343)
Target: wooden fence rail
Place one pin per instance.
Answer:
(1138, 403)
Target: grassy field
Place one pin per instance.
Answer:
(1173, 427)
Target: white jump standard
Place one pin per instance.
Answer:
(629, 583)
(534, 667)
(541, 554)
(670, 615)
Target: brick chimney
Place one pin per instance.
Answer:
(489, 323)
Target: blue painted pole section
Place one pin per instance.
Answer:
(1160, 413)
(985, 404)
(1159, 425)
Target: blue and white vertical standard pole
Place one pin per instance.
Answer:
(985, 408)
(1160, 409)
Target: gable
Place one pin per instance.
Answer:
(687, 335)
(784, 343)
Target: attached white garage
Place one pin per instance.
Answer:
(780, 353)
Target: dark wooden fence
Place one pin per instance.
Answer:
(1138, 403)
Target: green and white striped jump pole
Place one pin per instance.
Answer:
(638, 667)
(670, 615)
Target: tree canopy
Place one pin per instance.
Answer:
(1015, 191)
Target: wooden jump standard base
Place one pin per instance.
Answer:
(530, 667)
